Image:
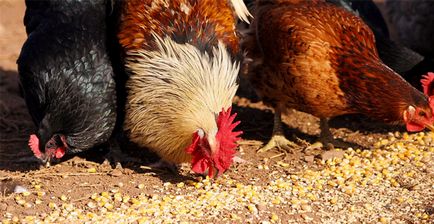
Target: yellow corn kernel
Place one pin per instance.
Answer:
(384, 220)
(333, 201)
(63, 197)
(274, 217)
(21, 202)
(52, 205)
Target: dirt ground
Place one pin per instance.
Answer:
(386, 177)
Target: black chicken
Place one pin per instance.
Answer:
(67, 77)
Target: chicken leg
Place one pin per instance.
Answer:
(278, 138)
(116, 157)
(326, 137)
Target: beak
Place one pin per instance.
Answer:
(430, 127)
(45, 160)
(215, 172)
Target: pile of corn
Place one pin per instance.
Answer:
(392, 183)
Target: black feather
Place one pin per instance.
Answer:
(66, 72)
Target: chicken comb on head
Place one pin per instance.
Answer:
(226, 138)
(34, 146)
(428, 84)
(428, 88)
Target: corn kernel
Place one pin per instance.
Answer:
(52, 205)
(105, 194)
(276, 201)
(108, 206)
(368, 206)
(333, 201)
(235, 216)
(91, 205)
(91, 170)
(252, 208)
(21, 202)
(63, 197)
(384, 220)
(274, 217)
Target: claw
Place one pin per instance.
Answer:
(280, 142)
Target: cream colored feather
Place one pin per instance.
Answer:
(175, 91)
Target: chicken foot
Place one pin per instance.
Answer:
(162, 165)
(326, 137)
(278, 138)
(115, 156)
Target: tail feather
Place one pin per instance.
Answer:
(241, 10)
(399, 58)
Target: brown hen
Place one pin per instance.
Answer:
(318, 58)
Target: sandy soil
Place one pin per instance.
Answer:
(403, 191)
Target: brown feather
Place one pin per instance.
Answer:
(320, 59)
(141, 18)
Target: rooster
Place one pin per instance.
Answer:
(183, 59)
(319, 58)
(66, 76)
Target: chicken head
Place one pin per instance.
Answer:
(55, 147)
(214, 152)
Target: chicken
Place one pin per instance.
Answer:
(183, 59)
(409, 64)
(321, 59)
(66, 76)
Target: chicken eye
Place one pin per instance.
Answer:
(422, 113)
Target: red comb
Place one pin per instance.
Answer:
(34, 145)
(428, 84)
(222, 158)
(227, 139)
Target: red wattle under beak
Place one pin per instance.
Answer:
(412, 127)
(60, 152)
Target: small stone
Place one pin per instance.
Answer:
(116, 173)
(309, 159)
(332, 154)
(20, 189)
(261, 206)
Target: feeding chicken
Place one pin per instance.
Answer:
(410, 64)
(66, 76)
(319, 58)
(183, 59)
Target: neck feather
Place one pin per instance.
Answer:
(179, 86)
